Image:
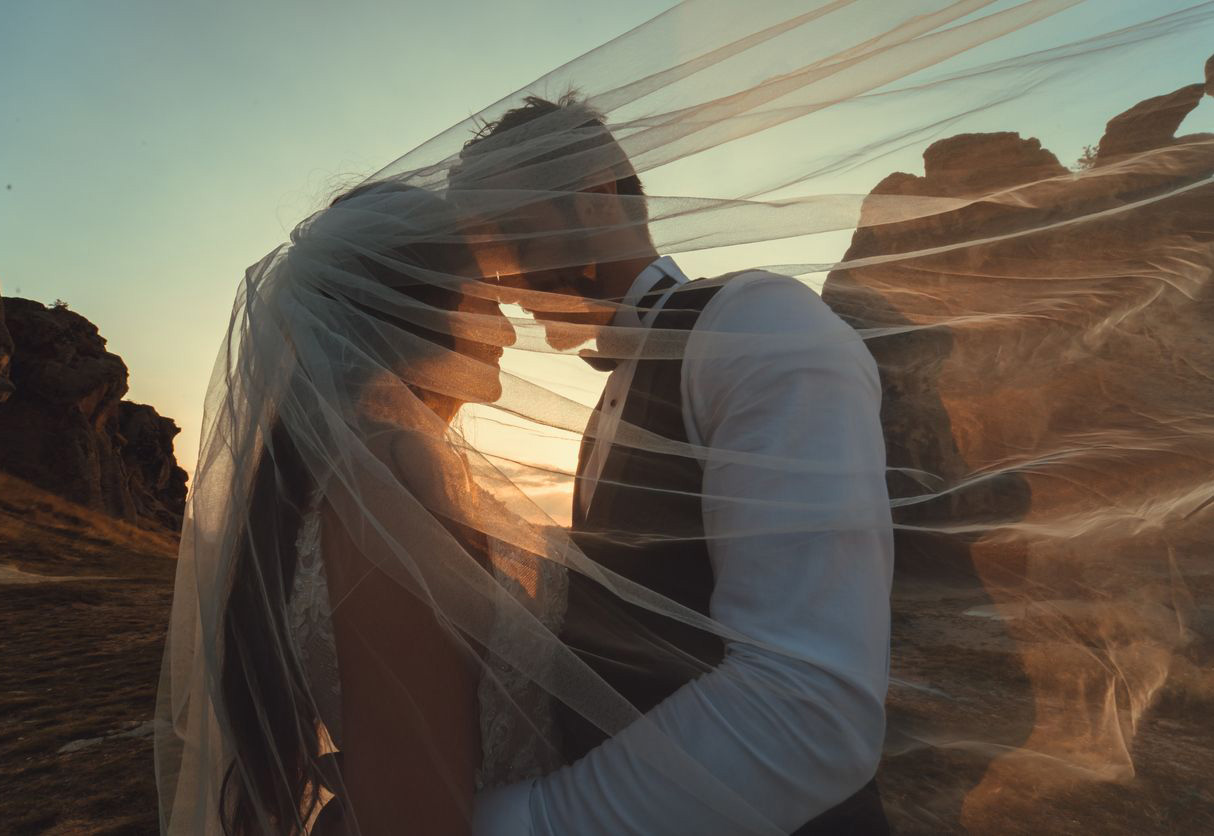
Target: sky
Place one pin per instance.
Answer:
(151, 151)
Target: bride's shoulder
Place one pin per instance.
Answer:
(426, 462)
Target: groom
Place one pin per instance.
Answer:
(802, 747)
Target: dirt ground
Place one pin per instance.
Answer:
(79, 662)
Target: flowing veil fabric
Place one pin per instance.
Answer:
(1043, 334)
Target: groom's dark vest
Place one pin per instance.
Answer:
(644, 522)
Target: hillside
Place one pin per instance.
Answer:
(84, 600)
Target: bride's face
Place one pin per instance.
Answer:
(469, 371)
(482, 332)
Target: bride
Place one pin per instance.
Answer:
(413, 718)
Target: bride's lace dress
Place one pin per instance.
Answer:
(516, 719)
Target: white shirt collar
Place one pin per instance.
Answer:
(642, 284)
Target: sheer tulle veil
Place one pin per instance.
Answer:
(1042, 329)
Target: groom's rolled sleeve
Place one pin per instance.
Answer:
(797, 516)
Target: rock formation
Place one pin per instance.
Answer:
(1012, 341)
(156, 484)
(66, 428)
(1048, 378)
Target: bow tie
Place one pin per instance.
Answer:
(602, 363)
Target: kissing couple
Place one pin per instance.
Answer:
(375, 629)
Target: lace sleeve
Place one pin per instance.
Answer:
(518, 729)
(311, 622)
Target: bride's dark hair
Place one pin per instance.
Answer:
(277, 771)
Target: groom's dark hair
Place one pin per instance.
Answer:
(592, 134)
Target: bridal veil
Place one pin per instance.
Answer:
(1006, 199)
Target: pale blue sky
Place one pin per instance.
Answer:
(156, 149)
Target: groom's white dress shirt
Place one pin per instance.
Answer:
(810, 734)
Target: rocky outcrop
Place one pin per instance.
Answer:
(1015, 314)
(156, 484)
(1047, 361)
(1149, 124)
(66, 428)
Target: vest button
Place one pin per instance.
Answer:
(614, 401)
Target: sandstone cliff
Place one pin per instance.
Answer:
(1047, 363)
(1051, 331)
(65, 427)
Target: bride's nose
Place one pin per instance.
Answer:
(501, 331)
(509, 335)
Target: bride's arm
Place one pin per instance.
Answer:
(410, 727)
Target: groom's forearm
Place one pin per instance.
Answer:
(755, 746)
(759, 745)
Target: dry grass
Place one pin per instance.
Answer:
(79, 659)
